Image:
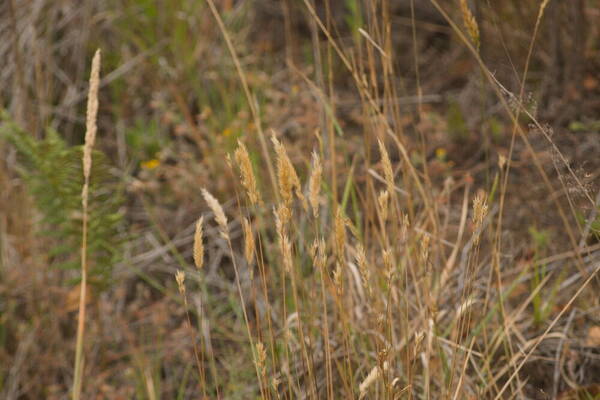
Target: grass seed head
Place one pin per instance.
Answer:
(282, 217)
(318, 253)
(361, 260)
(199, 244)
(286, 176)
(383, 201)
(180, 278)
(92, 113)
(340, 223)
(388, 263)
(388, 171)
(470, 23)
(216, 208)
(261, 358)
(247, 173)
(480, 209)
(314, 183)
(249, 245)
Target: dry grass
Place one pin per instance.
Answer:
(90, 138)
(400, 252)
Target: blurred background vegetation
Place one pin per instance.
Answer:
(172, 108)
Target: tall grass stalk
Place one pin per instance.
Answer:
(90, 137)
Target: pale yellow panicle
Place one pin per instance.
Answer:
(480, 210)
(249, 245)
(92, 112)
(361, 260)
(383, 201)
(388, 171)
(216, 208)
(287, 178)
(199, 244)
(318, 254)
(314, 183)
(247, 173)
(470, 23)
(261, 358)
(180, 278)
(339, 226)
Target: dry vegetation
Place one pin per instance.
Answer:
(299, 199)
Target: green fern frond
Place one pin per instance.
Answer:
(53, 173)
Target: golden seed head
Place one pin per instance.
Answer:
(180, 278)
(282, 216)
(286, 176)
(388, 171)
(480, 208)
(318, 254)
(470, 23)
(199, 244)
(340, 223)
(247, 173)
(464, 307)
(216, 208)
(361, 260)
(314, 183)
(373, 376)
(261, 358)
(249, 245)
(388, 262)
(92, 113)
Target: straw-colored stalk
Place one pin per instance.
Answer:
(90, 138)
(383, 201)
(221, 219)
(424, 254)
(338, 278)
(388, 263)
(180, 278)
